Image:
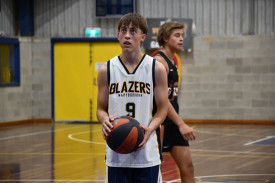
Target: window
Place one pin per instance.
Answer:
(109, 8)
(9, 62)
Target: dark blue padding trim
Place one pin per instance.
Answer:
(109, 6)
(17, 63)
(52, 74)
(84, 39)
(26, 17)
(16, 57)
(9, 40)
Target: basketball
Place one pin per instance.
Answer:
(125, 135)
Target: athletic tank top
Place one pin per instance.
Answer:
(172, 84)
(133, 94)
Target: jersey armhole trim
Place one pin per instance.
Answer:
(153, 72)
(108, 72)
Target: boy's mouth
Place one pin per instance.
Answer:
(127, 43)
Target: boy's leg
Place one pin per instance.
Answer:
(182, 157)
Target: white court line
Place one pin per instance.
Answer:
(237, 152)
(25, 135)
(70, 136)
(235, 175)
(90, 180)
(50, 131)
(34, 133)
(230, 175)
(253, 142)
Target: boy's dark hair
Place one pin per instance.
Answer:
(137, 21)
(166, 30)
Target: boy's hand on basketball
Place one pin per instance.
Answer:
(107, 126)
(187, 132)
(147, 132)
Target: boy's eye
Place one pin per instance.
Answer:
(179, 35)
(123, 30)
(133, 31)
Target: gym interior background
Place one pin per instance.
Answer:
(228, 74)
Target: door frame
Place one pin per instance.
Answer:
(70, 40)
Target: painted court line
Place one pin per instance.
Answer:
(236, 152)
(217, 176)
(70, 136)
(260, 140)
(34, 133)
(168, 181)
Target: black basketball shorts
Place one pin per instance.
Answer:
(172, 137)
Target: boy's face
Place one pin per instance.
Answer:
(175, 40)
(130, 38)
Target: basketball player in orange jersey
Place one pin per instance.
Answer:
(176, 132)
(145, 100)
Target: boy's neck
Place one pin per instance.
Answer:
(131, 59)
(169, 53)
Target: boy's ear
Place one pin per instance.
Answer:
(143, 37)
(165, 39)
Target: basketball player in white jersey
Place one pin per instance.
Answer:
(133, 84)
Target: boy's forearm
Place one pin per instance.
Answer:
(102, 115)
(174, 116)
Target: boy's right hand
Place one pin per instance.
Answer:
(107, 126)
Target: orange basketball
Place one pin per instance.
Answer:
(125, 135)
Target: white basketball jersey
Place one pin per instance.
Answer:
(133, 94)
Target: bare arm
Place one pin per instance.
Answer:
(102, 101)
(161, 98)
(184, 129)
(162, 60)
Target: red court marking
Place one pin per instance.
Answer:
(169, 168)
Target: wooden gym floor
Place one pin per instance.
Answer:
(73, 152)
